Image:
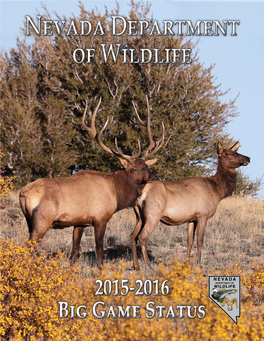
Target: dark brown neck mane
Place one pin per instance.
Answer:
(225, 181)
(127, 190)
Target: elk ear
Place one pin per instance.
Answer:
(125, 163)
(150, 163)
(235, 146)
(219, 149)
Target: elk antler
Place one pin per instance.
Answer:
(153, 147)
(97, 137)
(91, 130)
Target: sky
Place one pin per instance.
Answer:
(238, 59)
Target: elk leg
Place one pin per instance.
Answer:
(148, 228)
(41, 222)
(191, 232)
(36, 236)
(77, 236)
(30, 227)
(134, 238)
(99, 231)
(38, 229)
(201, 224)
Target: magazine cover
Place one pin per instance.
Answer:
(132, 170)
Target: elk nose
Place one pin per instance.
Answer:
(246, 162)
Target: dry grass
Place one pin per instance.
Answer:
(31, 287)
(235, 235)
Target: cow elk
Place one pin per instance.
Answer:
(87, 198)
(192, 200)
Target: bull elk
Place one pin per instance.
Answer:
(192, 200)
(87, 198)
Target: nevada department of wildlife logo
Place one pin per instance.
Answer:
(225, 292)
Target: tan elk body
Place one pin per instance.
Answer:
(192, 200)
(87, 198)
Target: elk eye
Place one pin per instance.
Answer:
(134, 170)
(228, 154)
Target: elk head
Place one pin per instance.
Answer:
(230, 159)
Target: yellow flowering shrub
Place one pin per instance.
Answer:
(32, 284)
(31, 287)
(250, 281)
(6, 185)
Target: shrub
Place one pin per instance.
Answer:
(32, 284)
(6, 185)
